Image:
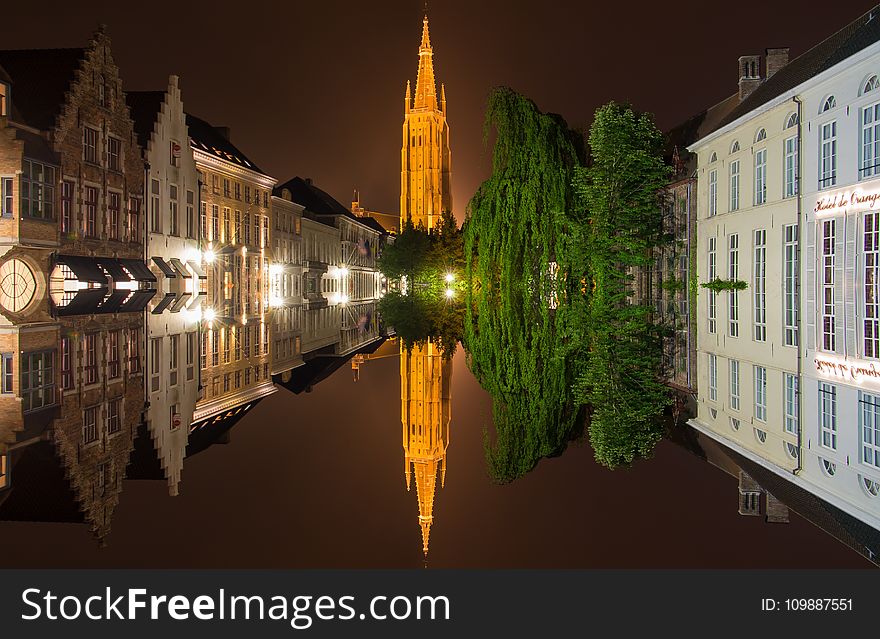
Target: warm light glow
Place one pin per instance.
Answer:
(342, 272)
(210, 315)
(209, 257)
(449, 292)
(275, 269)
(243, 319)
(192, 254)
(244, 250)
(450, 277)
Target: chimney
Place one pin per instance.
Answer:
(775, 59)
(308, 181)
(749, 75)
(224, 132)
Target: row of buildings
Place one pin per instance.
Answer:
(778, 186)
(154, 281)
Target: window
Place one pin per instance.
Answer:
(203, 362)
(226, 345)
(215, 223)
(265, 238)
(114, 154)
(792, 450)
(733, 296)
(114, 214)
(90, 145)
(247, 228)
(713, 157)
(114, 368)
(134, 352)
(734, 147)
(713, 377)
(828, 155)
(226, 234)
(155, 362)
(871, 487)
(66, 363)
(225, 187)
(172, 209)
(247, 376)
(215, 184)
(759, 285)
(174, 347)
(237, 191)
(713, 192)
(265, 199)
(6, 373)
(247, 342)
(204, 221)
(790, 167)
(155, 213)
(237, 343)
(829, 468)
(791, 403)
(90, 206)
(870, 141)
(734, 384)
(828, 415)
(828, 323)
(869, 418)
(114, 425)
(761, 176)
(734, 424)
(871, 261)
(90, 356)
(4, 110)
(227, 379)
(760, 393)
(134, 220)
(215, 347)
(247, 194)
(713, 296)
(37, 190)
(761, 435)
(790, 284)
(190, 214)
(870, 84)
(37, 380)
(90, 425)
(237, 379)
(761, 135)
(734, 185)
(190, 356)
(829, 103)
(6, 195)
(215, 386)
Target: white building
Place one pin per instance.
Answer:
(172, 250)
(821, 240)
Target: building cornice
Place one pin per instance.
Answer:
(229, 402)
(233, 170)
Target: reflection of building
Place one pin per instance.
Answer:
(425, 384)
(172, 247)
(235, 230)
(425, 169)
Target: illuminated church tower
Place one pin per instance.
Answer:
(425, 380)
(425, 157)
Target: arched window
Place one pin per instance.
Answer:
(829, 103)
(734, 423)
(713, 157)
(871, 487)
(734, 147)
(791, 121)
(791, 449)
(870, 84)
(829, 468)
(761, 435)
(761, 135)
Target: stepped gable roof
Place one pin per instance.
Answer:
(206, 138)
(40, 79)
(857, 35)
(144, 107)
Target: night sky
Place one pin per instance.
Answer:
(316, 89)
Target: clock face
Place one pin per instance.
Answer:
(17, 285)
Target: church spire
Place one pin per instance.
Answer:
(426, 88)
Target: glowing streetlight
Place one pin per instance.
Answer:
(449, 293)
(210, 314)
(209, 257)
(450, 277)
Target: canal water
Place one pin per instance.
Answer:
(317, 479)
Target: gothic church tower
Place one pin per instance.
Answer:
(425, 190)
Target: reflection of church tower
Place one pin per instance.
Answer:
(425, 380)
(425, 157)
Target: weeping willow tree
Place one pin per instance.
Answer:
(523, 352)
(621, 190)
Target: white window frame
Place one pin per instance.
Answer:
(713, 377)
(760, 375)
(828, 415)
(870, 248)
(760, 176)
(790, 167)
(790, 278)
(869, 429)
(713, 296)
(828, 155)
(734, 384)
(827, 300)
(791, 389)
(759, 285)
(733, 296)
(734, 185)
(713, 192)
(869, 140)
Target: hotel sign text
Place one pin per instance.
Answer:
(842, 200)
(855, 371)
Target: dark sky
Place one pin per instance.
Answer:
(316, 88)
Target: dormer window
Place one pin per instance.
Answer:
(829, 103)
(871, 84)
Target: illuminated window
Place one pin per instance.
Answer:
(155, 212)
(4, 99)
(871, 299)
(190, 214)
(827, 288)
(190, 356)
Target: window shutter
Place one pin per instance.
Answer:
(849, 282)
(809, 317)
(839, 252)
